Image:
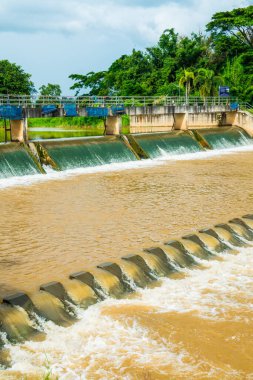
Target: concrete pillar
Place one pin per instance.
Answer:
(181, 120)
(25, 131)
(113, 125)
(17, 130)
(232, 118)
(244, 120)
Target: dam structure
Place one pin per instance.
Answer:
(107, 273)
(158, 128)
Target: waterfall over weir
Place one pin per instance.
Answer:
(16, 161)
(225, 137)
(67, 154)
(88, 152)
(22, 316)
(161, 144)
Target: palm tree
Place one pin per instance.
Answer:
(207, 82)
(186, 81)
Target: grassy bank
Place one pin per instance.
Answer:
(63, 127)
(63, 122)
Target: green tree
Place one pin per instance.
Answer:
(207, 82)
(233, 74)
(50, 90)
(174, 61)
(192, 50)
(238, 22)
(13, 79)
(186, 80)
(94, 82)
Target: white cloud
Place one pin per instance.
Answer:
(145, 18)
(54, 38)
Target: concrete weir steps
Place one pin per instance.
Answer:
(22, 315)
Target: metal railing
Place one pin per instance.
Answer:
(246, 107)
(108, 101)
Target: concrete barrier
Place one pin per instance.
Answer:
(18, 312)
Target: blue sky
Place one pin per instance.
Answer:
(52, 39)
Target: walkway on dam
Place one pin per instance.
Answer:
(27, 101)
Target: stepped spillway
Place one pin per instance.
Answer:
(20, 314)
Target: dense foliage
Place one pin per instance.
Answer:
(194, 65)
(13, 79)
(50, 90)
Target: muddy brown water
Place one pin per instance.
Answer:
(198, 327)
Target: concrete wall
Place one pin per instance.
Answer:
(172, 109)
(154, 119)
(202, 120)
(244, 120)
(151, 123)
(166, 118)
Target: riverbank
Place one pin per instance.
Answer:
(65, 127)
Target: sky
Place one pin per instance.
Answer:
(52, 39)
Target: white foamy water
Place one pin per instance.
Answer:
(129, 165)
(99, 346)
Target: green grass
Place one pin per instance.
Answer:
(66, 127)
(61, 122)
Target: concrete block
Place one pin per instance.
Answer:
(212, 232)
(19, 299)
(57, 290)
(112, 268)
(159, 252)
(195, 238)
(181, 256)
(240, 222)
(178, 245)
(248, 216)
(225, 227)
(140, 262)
(17, 130)
(85, 277)
(235, 238)
(88, 279)
(113, 125)
(209, 231)
(115, 269)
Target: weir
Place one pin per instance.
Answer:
(162, 127)
(162, 144)
(20, 314)
(17, 160)
(66, 154)
(87, 152)
(225, 137)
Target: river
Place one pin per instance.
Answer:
(194, 326)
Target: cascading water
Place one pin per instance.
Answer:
(226, 137)
(135, 321)
(68, 154)
(88, 152)
(173, 143)
(15, 161)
